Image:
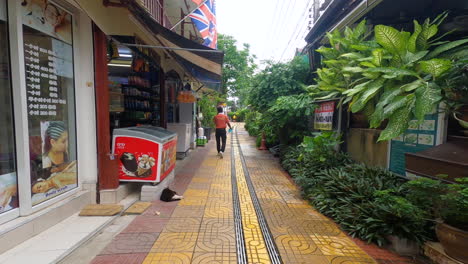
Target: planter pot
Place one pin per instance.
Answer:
(454, 241)
(403, 246)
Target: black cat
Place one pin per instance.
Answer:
(168, 195)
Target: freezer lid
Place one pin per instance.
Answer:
(148, 132)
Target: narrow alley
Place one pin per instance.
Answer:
(240, 209)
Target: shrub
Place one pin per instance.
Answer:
(367, 202)
(370, 203)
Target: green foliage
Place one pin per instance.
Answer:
(397, 74)
(252, 123)
(240, 114)
(287, 118)
(314, 154)
(448, 202)
(238, 68)
(207, 104)
(278, 79)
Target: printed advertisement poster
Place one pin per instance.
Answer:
(324, 116)
(418, 137)
(168, 159)
(48, 55)
(48, 18)
(137, 159)
(58, 173)
(8, 192)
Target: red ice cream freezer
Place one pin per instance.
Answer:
(145, 153)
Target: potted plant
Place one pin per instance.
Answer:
(448, 204)
(455, 91)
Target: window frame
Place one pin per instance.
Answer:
(21, 112)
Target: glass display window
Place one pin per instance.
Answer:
(8, 175)
(49, 71)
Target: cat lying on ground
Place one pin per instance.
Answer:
(168, 195)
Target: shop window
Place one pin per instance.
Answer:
(48, 54)
(8, 179)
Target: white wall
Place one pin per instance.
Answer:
(85, 102)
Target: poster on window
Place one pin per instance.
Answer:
(323, 119)
(48, 53)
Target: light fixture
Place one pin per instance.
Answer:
(124, 55)
(119, 65)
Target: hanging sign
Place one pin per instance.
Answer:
(324, 116)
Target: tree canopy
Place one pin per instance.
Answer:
(278, 79)
(238, 67)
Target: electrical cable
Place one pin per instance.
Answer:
(298, 29)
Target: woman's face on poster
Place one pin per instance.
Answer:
(60, 144)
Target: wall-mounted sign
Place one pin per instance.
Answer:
(418, 137)
(324, 116)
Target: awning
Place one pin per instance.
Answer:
(202, 63)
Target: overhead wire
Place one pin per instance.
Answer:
(284, 26)
(298, 29)
(277, 22)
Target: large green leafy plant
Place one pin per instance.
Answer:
(448, 202)
(393, 76)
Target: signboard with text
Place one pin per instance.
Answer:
(323, 119)
(418, 137)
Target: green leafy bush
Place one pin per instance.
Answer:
(367, 202)
(447, 202)
(394, 76)
(240, 114)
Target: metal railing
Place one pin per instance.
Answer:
(156, 9)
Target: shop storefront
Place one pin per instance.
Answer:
(43, 104)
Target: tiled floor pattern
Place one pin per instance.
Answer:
(200, 228)
(253, 237)
(302, 234)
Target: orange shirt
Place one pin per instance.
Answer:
(221, 120)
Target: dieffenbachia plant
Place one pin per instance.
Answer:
(392, 76)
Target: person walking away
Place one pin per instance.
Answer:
(221, 121)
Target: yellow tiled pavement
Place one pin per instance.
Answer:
(201, 229)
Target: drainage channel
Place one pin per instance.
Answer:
(240, 240)
(250, 211)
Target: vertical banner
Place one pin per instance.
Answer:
(48, 54)
(323, 119)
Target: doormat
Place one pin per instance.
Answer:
(137, 208)
(101, 209)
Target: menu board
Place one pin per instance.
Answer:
(48, 55)
(418, 137)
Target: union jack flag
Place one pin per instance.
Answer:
(204, 19)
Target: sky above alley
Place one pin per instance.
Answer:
(273, 28)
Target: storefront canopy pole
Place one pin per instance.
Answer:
(180, 21)
(167, 48)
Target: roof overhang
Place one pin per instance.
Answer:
(202, 63)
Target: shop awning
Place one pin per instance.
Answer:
(201, 62)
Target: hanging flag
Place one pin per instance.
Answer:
(204, 19)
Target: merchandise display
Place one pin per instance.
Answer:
(134, 97)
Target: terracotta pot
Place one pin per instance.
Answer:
(454, 241)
